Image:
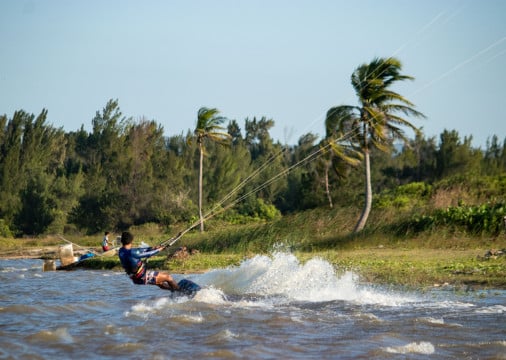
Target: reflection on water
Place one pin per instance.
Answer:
(268, 307)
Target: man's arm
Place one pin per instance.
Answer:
(145, 252)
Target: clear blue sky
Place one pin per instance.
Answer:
(287, 60)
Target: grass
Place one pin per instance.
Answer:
(414, 268)
(422, 268)
(378, 255)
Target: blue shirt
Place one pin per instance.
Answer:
(131, 260)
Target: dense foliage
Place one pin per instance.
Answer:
(125, 172)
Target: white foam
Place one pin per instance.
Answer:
(370, 317)
(227, 335)
(145, 308)
(222, 337)
(439, 321)
(60, 335)
(191, 318)
(10, 269)
(423, 347)
(453, 304)
(237, 280)
(432, 320)
(282, 276)
(211, 295)
(495, 309)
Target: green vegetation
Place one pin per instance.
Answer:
(477, 220)
(443, 198)
(125, 173)
(378, 121)
(380, 254)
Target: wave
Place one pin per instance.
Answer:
(423, 347)
(282, 277)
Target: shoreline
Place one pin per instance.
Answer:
(32, 253)
(415, 268)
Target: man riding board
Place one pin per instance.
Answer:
(132, 261)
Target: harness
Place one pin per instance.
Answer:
(139, 276)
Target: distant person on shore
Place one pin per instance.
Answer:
(105, 242)
(132, 261)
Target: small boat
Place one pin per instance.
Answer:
(76, 263)
(67, 259)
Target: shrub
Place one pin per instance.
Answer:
(404, 196)
(476, 220)
(4, 229)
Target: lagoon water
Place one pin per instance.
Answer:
(268, 307)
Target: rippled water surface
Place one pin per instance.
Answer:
(269, 307)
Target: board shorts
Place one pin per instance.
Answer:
(151, 277)
(148, 278)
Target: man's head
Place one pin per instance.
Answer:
(126, 238)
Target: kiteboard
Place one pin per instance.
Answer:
(186, 287)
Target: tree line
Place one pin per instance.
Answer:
(126, 172)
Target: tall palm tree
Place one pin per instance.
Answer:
(376, 121)
(208, 128)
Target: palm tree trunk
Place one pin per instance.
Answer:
(200, 186)
(368, 194)
(327, 190)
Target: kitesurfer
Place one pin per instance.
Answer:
(132, 261)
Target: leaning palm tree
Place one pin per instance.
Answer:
(208, 128)
(376, 121)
